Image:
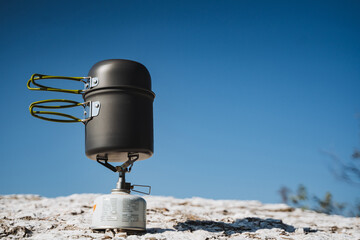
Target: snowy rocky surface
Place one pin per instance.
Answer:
(35, 217)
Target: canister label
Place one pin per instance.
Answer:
(130, 208)
(109, 212)
(119, 211)
(130, 205)
(130, 217)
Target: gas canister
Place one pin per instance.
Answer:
(119, 210)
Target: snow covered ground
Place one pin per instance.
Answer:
(35, 217)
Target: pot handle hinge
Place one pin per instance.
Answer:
(91, 110)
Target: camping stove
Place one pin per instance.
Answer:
(120, 210)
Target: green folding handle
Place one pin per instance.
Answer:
(35, 77)
(39, 104)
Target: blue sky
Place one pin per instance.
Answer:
(250, 94)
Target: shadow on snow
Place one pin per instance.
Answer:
(239, 226)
